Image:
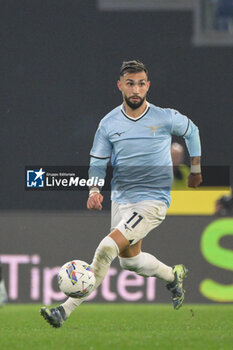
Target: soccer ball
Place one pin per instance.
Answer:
(76, 279)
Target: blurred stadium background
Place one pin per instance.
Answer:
(59, 65)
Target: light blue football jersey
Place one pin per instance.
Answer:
(140, 152)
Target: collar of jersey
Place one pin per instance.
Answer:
(140, 116)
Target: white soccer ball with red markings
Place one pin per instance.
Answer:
(76, 279)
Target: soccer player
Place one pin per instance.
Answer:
(136, 137)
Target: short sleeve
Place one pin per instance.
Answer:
(180, 123)
(102, 147)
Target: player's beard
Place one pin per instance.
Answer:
(134, 105)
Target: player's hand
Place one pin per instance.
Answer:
(194, 180)
(94, 201)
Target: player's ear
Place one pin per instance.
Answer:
(148, 84)
(119, 84)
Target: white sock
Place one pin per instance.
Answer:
(104, 255)
(147, 265)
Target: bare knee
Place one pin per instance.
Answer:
(120, 240)
(132, 251)
(130, 258)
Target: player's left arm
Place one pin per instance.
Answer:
(195, 178)
(182, 126)
(192, 140)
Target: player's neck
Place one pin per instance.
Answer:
(135, 113)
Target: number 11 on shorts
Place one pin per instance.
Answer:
(135, 216)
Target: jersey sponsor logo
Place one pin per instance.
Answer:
(154, 128)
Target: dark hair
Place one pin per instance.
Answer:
(133, 66)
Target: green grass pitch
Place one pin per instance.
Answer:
(122, 326)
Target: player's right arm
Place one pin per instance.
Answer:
(97, 169)
(94, 201)
(100, 155)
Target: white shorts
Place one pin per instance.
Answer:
(136, 220)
